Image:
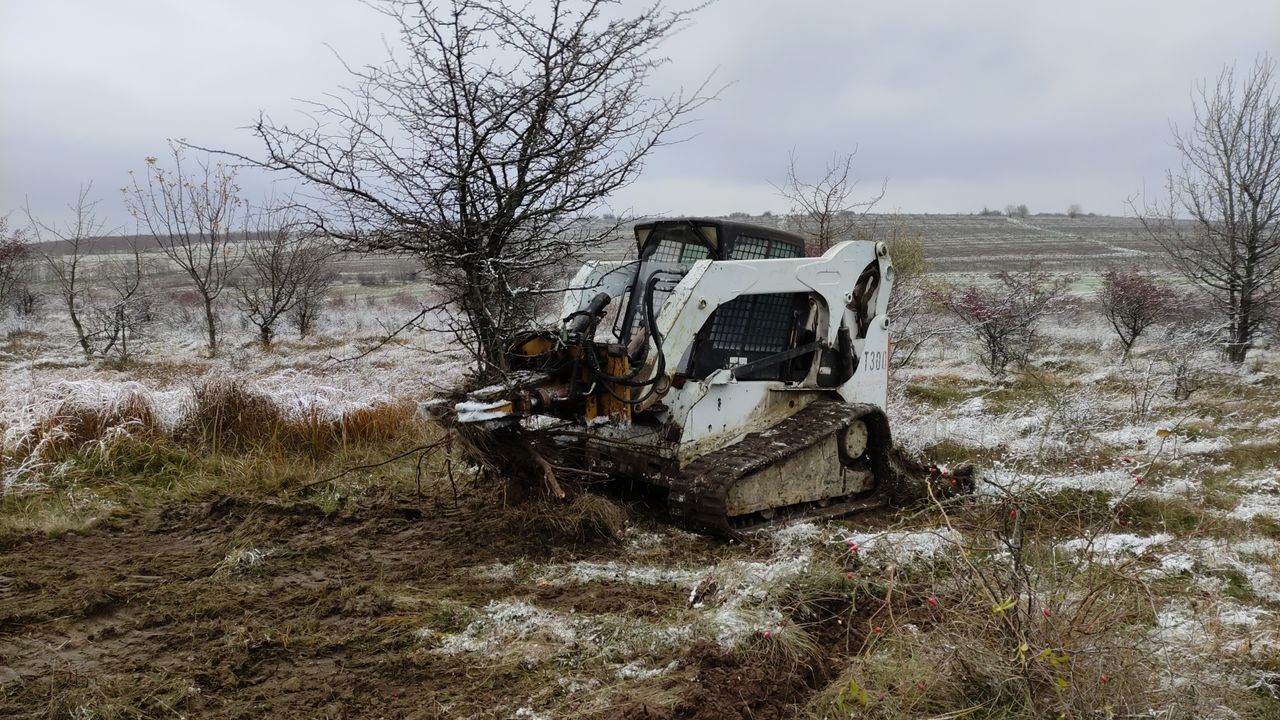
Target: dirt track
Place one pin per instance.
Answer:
(171, 613)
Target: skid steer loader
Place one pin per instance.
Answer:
(723, 365)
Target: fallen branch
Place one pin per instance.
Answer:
(548, 474)
(421, 448)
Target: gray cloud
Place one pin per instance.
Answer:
(957, 104)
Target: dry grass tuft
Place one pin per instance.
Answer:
(586, 517)
(377, 423)
(73, 425)
(225, 414)
(787, 645)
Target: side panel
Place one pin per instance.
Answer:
(712, 284)
(870, 382)
(725, 412)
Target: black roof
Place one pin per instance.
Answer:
(728, 231)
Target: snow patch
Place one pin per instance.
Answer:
(470, 411)
(517, 628)
(795, 537)
(905, 547)
(1252, 506)
(495, 571)
(637, 670)
(613, 571)
(1000, 481)
(1116, 544)
(505, 620)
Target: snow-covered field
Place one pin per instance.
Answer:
(1135, 537)
(42, 372)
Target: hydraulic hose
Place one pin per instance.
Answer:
(629, 380)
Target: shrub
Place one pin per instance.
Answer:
(1182, 349)
(15, 269)
(1003, 319)
(1134, 301)
(1009, 621)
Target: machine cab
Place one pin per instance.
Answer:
(742, 331)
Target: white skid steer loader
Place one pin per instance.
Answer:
(745, 379)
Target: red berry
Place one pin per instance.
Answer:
(933, 601)
(920, 686)
(767, 634)
(942, 618)
(1048, 612)
(1126, 459)
(877, 629)
(946, 473)
(1013, 513)
(1138, 479)
(1105, 679)
(849, 576)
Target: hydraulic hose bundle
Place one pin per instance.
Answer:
(581, 325)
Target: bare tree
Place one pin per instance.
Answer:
(1074, 210)
(486, 145)
(70, 242)
(1018, 211)
(824, 210)
(1132, 302)
(190, 211)
(1229, 187)
(15, 267)
(303, 316)
(127, 306)
(284, 266)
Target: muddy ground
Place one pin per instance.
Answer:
(180, 611)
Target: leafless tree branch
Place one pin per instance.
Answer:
(1229, 187)
(485, 145)
(191, 211)
(823, 209)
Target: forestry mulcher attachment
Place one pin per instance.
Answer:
(723, 365)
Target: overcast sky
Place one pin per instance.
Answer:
(957, 104)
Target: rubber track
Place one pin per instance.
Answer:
(699, 492)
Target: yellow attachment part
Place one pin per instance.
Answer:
(533, 346)
(601, 403)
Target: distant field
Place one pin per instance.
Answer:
(983, 244)
(953, 244)
(969, 243)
